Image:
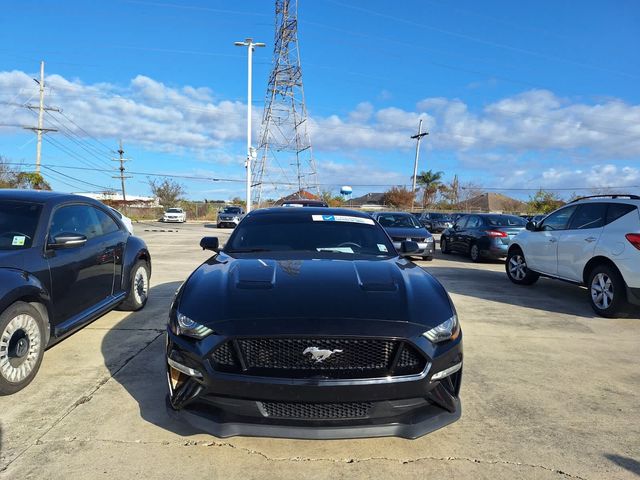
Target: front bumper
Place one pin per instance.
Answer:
(425, 249)
(228, 221)
(172, 219)
(226, 404)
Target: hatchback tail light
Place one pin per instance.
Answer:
(634, 239)
(496, 233)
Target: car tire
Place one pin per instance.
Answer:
(428, 258)
(22, 337)
(607, 291)
(444, 245)
(474, 253)
(138, 288)
(516, 268)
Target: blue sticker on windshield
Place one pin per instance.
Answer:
(328, 218)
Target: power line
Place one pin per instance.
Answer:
(77, 179)
(381, 185)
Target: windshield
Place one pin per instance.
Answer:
(316, 233)
(441, 216)
(18, 222)
(174, 210)
(505, 221)
(398, 220)
(232, 210)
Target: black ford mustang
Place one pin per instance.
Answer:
(308, 324)
(64, 261)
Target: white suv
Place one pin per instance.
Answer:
(593, 241)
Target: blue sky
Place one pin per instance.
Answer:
(514, 95)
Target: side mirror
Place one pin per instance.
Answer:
(408, 246)
(210, 243)
(67, 240)
(531, 226)
(456, 226)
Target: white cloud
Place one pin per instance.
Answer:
(516, 134)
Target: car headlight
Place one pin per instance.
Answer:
(429, 239)
(448, 330)
(191, 328)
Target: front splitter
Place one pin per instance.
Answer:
(420, 424)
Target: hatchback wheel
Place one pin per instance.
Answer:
(517, 271)
(22, 346)
(607, 292)
(138, 288)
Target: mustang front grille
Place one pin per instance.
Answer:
(315, 411)
(331, 358)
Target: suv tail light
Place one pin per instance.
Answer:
(634, 239)
(496, 233)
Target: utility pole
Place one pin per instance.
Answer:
(417, 137)
(41, 109)
(121, 176)
(249, 43)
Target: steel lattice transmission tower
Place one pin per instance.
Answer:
(285, 157)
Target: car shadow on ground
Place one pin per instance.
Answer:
(547, 295)
(625, 462)
(144, 375)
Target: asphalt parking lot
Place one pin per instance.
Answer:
(550, 391)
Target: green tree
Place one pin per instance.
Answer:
(332, 200)
(544, 202)
(31, 181)
(430, 183)
(168, 191)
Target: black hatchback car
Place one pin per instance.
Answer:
(65, 260)
(482, 235)
(308, 324)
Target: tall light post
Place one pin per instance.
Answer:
(250, 44)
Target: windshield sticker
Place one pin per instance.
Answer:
(18, 240)
(342, 218)
(335, 249)
(382, 247)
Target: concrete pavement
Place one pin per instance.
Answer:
(549, 391)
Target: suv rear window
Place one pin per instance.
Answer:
(617, 210)
(18, 223)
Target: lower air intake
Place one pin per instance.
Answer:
(316, 411)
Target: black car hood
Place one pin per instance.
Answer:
(407, 232)
(226, 288)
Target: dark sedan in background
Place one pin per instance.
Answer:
(403, 226)
(483, 235)
(436, 221)
(65, 260)
(308, 325)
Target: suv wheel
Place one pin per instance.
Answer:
(517, 271)
(607, 291)
(444, 246)
(22, 346)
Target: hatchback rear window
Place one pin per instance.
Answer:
(18, 223)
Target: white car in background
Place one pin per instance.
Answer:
(174, 215)
(124, 219)
(593, 241)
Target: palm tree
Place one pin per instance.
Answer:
(430, 182)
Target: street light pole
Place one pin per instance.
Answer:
(249, 43)
(417, 138)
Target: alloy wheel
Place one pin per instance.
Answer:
(141, 285)
(517, 267)
(20, 345)
(602, 291)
